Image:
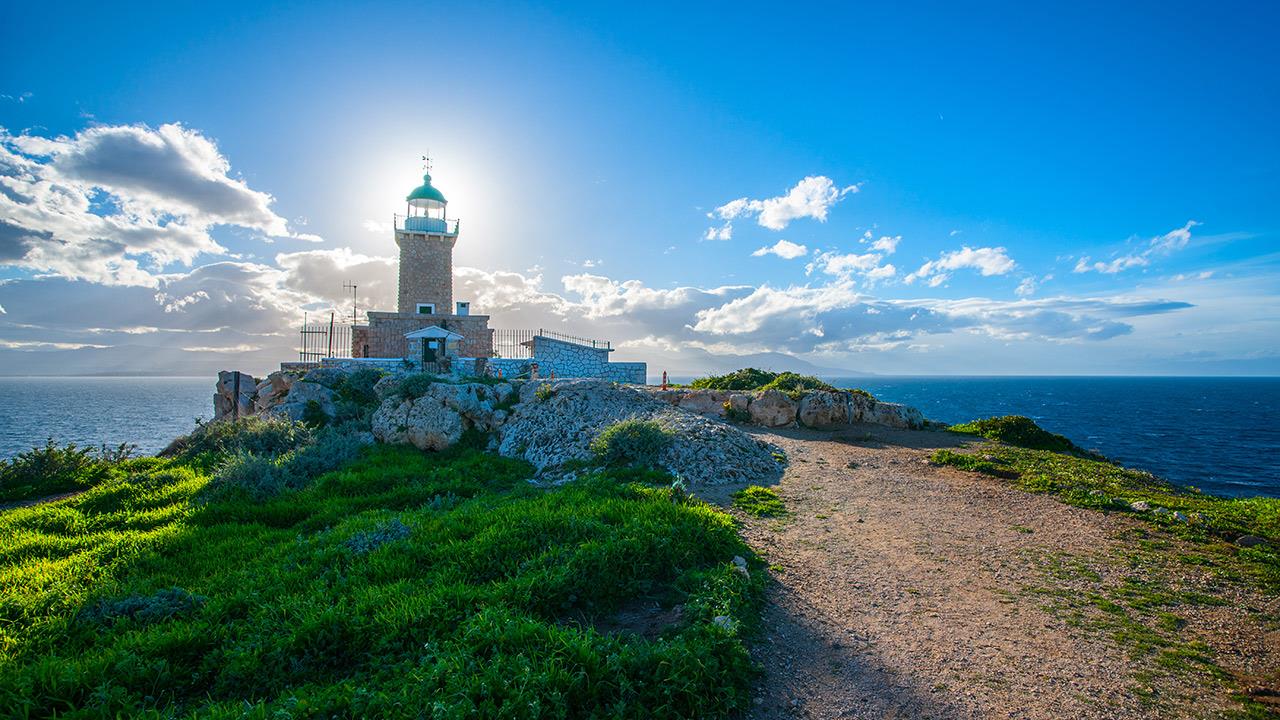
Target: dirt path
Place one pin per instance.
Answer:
(905, 590)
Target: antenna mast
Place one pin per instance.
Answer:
(352, 287)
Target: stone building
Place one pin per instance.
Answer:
(426, 236)
(432, 331)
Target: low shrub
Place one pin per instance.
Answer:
(144, 609)
(631, 442)
(416, 385)
(260, 436)
(971, 463)
(358, 386)
(544, 392)
(759, 501)
(744, 379)
(791, 383)
(734, 414)
(260, 476)
(1019, 431)
(52, 469)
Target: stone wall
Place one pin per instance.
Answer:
(387, 331)
(426, 271)
(360, 341)
(571, 360)
(773, 408)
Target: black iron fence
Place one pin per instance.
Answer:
(325, 339)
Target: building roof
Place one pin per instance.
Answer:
(426, 194)
(433, 332)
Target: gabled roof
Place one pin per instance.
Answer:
(433, 332)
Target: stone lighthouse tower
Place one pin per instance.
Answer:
(426, 237)
(426, 313)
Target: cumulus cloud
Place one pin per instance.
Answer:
(1165, 244)
(986, 260)
(812, 197)
(784, 249)
(116, 204)
(868, 266)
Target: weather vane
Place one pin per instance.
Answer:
(426, 162)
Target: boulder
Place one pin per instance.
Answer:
(1248, 541)
(552, 429)
(432, 425)
(301, 394)
(704, 402)
(326, 376)
(823, 409)
(892, 415)
(273, 390)
(772, 408)
(225, 400)
(739, 403)
(387, 386)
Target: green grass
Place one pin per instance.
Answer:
(1088, 481)
(759, 501)
(1017, 430)
(402, 585)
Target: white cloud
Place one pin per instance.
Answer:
(1165, 244)
(115, 204)
(812, 197)
(784, 249)
(867, 266)
(886, 244)
(986, 260)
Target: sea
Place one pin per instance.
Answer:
(1221, 435)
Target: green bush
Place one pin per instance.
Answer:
(52, 469)
(544, 392)
(416, 385)
(261, 436)
(357, 387)
(631, 442)
(261, 476)
(1019, 431)
(747, 379)
(759, 501)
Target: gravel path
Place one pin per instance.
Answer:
(904, 590)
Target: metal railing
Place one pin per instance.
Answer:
(322, 340)
(429, 225)
(519, 343)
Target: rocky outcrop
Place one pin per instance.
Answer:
(272, 391)
(301, 394)
(554, 423)
(225, 398)
(438, 418)
(774, 408)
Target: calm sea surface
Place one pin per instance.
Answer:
(1219, 434)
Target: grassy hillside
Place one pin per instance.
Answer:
(403, 584)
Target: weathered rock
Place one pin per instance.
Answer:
(552, 429)
(273, 390)
(1140, 506)
(890, 414)
(823, 409)
(225, 399)
(1248, 541)
(739, 403)
(772, 408)
(705, 402)
(301, 394)
(387, 386)
(432, 425)
(326, 376)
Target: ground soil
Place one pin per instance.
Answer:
(904, 590)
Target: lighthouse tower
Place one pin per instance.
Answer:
(426, 236)
(426, 314)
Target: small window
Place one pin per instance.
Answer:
(426, 309)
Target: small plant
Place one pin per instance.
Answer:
(631, 442)
(865, 394)
(257, 435)
(415, 386)
(971, 463)
(365, 542)
(358, 386)
(796, 385)
(734, 414)
(759, 501)
(544, 392)
(144, 609)
(745, 379)
(313, 414)
(1017, 430)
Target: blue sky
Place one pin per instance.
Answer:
(993, 189)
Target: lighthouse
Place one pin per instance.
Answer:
(426, 237)
(426, 314)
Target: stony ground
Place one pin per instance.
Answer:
(905, 590)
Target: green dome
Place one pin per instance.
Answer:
(426, 192)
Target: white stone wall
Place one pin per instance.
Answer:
(571, 360)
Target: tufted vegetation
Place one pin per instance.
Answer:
(402, 584)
